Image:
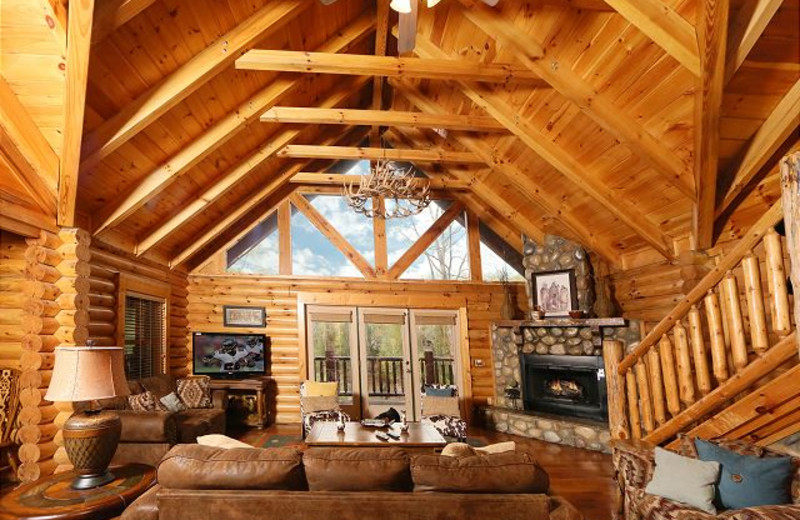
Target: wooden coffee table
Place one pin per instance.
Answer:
(418, 436)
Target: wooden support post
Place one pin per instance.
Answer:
(776, 282)
(759, 338)
(790, 184)
(474, 239)
(617, 417)
(633, 404)
(669, 374)
(701, 371)
(719, 357)
(379, 234)
(685, 378)
(285, 238)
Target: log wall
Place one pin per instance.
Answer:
(12, 285)
(280, 296)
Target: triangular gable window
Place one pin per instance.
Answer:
(355, 227)
(257, 251)
(314, 255)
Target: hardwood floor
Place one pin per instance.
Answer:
(583, 477)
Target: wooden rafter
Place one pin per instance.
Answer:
(332, 234)
(502, 228)
(353, 117)
(337, 179)
(29, 156)
(381, 39)
(712, 29)
(110, 15)
(242, 209)
(747, 27)
(220, 133)
(374, 154)
(594, 104)
(663, 25)
(776, 129)
(79, 33)
(425, 240)
(389, 66)
(524, 182)
(157, 100)
(474, 246)
(242, 169)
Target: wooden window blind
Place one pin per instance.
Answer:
(145, 337)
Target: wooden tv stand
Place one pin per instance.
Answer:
(257, 385)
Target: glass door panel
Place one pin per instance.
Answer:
(333, 352)
(435, 349)
(385, 361)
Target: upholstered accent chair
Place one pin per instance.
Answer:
(634, 462)
(318, 402)
(440, 408)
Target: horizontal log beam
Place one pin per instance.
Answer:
(375, 154)
(321, 116)
(390, 66)
(335, 179)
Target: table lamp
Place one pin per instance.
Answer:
(91, 436)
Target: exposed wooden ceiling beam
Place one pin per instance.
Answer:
(381, 39)
(354, 117)
(597, 106)
(157, 100)
(747, 27)
(561, 160)
(374, 154)
(337, 179)
(480, 188)
(223, 130)
(110, 15)
(425, 240)
(332, 234)
(525, 183)
(234, 175)
(30, 158)
(79, 33)
(665, 27)
(243, 208)
(390, 66)
(778, 127)
(712, 31)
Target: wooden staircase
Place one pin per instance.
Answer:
(728, 348)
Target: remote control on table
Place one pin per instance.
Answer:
(394, 435)
(382, 436)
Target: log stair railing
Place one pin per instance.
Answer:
(732, 330)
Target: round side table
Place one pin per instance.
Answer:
(52, 498)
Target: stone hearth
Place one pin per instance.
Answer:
(590, 435)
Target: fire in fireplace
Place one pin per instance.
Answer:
(564, 385)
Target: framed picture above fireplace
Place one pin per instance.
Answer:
(555, 292)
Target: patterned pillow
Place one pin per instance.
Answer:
(172, 403)
(145, 402)
(195, 392)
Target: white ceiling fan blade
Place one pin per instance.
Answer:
(407, 30)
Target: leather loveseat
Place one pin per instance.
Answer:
(147, 436)
(197, 481)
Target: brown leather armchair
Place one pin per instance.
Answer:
(147, 436)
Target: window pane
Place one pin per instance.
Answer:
(332, 361)
(355, 227)
(436, 347)
(384, 362)
(401, 233)
(446, 259)
(314, 255)
(257, 251)
(145, 338)
(499, 260)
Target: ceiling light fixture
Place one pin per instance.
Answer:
(410, 195)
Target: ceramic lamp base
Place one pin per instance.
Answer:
(91, 439)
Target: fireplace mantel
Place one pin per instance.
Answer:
(563, 322)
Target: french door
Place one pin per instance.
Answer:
(383, 357)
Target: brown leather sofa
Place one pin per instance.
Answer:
(346, 484)
(148, 436)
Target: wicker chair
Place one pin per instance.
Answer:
(9, 406)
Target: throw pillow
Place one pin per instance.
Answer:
(319, 403)
(458, 449)
(195, 392)
(145, 402)
(500, 447)
(217, 440)
(684, 480)
(747, 480)
(440, 391)
(172, 403)
(316, 388)
(433, 405)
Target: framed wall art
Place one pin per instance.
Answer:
(236, 316)
(555, 292)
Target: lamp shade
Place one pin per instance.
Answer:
(87, 373)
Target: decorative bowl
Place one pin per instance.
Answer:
(576, 314)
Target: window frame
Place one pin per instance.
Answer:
(131, 285)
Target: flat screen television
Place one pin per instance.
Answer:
(228, 355)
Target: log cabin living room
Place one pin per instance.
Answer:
(400, 259)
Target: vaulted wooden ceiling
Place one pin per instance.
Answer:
(601, 148)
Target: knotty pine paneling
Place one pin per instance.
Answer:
(207, 294)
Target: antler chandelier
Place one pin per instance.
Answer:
(411, 195)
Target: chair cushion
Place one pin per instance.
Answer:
(684, 479)
(747, 480)
(318, 388)
(319, 403)
(357, 469)
(192, 466)
(510, 472)
(195, 392)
